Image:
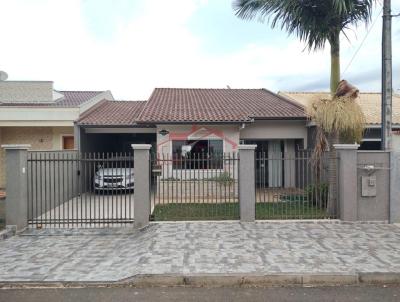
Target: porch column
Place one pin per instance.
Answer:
(247, 183)
(16, 185)
(141, 209)
(347, 181)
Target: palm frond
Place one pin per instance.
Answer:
(312, 21)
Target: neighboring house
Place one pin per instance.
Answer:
(371, 106)
(210, 121)
(32, 112)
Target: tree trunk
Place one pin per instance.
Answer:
(335, 62)
(333, 138)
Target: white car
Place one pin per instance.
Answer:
(109, 179)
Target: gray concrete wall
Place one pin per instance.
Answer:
(374, 208)
(142, 184)
(247, 191)
(364, 184)
(395, 187)
(16, 199)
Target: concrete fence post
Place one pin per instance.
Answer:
(141, 209)
(247, 183)
(16, 185)
(394, 208)
(347, 181)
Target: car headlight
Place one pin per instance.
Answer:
(99, 177)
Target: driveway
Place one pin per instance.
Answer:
(90, 210)
(201, 248)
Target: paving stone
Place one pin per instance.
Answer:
(192, 248)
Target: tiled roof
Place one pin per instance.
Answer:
(369, 102)
(76, 98)
(70, 99)
(217, 105)
(107, 113)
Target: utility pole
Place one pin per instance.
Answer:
(386, 127)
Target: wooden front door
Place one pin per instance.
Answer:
(68, 142)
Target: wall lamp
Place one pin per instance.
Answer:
(163, 132)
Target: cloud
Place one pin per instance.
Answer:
(51, 40)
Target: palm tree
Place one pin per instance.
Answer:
(316, 22)
(313, 21)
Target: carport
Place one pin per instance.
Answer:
(91, 186)
(111, 127)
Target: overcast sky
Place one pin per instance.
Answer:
(132, 46)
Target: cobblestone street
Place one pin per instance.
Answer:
(201, 248)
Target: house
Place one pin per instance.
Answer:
(198, 121)
(371, 106)
(218, 120)
(33, 112)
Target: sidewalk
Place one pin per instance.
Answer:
(190, 249)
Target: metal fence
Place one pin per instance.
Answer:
(194, 187)
(294, 186)
(71, 189)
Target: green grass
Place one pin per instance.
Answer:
(228, 211)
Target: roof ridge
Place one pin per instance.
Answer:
(293, 102)
(121, 101)
(79, 91)
(317, 92)
(92, 109)
(183, 88)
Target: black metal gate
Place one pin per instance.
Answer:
(294, 186)
(72, 189)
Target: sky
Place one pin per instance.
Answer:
(132, 46)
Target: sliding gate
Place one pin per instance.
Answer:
(71, 189)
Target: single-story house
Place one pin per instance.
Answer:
(216, 119)
(210, 121)
(33, 112)
(371, 106)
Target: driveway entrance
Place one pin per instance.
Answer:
(72, 189)
(89, 210)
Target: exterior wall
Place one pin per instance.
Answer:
(26, 91)
(228, 133)
(375, 207)
(396, 140)
(36, 116)
(275, 130)
(40, 138)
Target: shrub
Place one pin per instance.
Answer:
(224, 178)
(317, 194)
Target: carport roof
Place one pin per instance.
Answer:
(112, 113)
(180, 105)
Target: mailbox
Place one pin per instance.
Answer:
(368, 186)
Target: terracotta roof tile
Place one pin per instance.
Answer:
(217, 105)
(370, 103)
(107, 113)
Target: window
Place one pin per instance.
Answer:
(197, 154)
(68, 142)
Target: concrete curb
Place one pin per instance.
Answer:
(223, 280)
